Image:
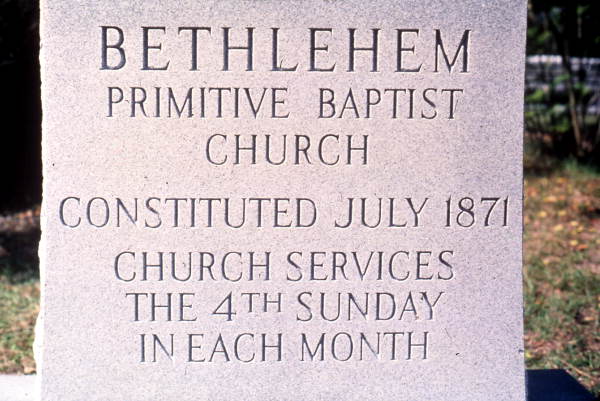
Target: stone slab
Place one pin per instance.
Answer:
(185, 256)
(542, 385)
(17, 387)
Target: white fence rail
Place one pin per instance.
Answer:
(545, 71)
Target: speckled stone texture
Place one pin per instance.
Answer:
(186, 257)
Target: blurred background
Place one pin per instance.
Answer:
(562, 186)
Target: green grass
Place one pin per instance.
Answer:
(19, 297)
(562, 271)
(577, 170)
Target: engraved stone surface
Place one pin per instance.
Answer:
(267, 200)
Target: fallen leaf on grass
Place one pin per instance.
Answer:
(28, 365)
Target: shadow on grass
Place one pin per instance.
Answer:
(541, 160)
(19, 261)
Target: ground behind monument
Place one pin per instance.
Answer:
(561, 274)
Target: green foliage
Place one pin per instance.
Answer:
(554, 23)
(578, 170)
(561, 107)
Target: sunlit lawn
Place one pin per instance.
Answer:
(562, 272)
(19, 297)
